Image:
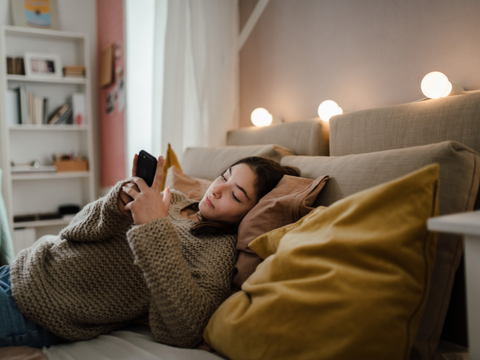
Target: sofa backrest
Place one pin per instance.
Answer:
(305, 137)
(431, 121)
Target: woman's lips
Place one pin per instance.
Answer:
(209, 202)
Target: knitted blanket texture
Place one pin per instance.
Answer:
(102, 273)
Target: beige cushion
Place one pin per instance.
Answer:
(194, 188)
(305, 137)
(290, 200)
(459, 182)
(454, 118)
(209, 163)
(345, 282)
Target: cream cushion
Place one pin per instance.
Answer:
(345, 282)
(459, 182)
(208, 163)
(413, 124)
(304, 137)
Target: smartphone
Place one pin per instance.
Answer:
(146, 167)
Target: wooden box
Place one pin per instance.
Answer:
(71, 165)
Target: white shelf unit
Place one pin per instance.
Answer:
(38, 193)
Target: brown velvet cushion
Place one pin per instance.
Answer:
(194, 188)
(291, 199)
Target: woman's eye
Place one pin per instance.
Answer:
(223, 177)
(235, 198)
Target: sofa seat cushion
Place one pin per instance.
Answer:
(344, 282)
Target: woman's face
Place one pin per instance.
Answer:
(230, 196)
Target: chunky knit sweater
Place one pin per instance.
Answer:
(102, 272)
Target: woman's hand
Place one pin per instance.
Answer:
(148, 204)
(124, 199)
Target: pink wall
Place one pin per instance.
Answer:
(111, 118)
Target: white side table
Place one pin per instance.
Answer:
(467, 224)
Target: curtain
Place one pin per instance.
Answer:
(6, 245)
(192, 80)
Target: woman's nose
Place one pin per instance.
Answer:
(218, 190)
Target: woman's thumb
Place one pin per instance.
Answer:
(167, 196)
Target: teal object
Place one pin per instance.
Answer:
(6, 246)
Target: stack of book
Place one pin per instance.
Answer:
(26, 108)
(77, 71)
(61, 115)
(15, 66)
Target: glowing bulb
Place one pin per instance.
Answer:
(329, 108)
(436, 85)
(261, 117)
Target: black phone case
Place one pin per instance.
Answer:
(146, 167)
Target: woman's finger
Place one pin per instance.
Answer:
(133, 186)
(141, 184)
(125, 198)
(132, 192)
(157, 181)
(167, 196)
(134, 167)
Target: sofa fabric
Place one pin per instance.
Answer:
(426, 122)
(305, 137)
(333, 288)
(459, 183)
(208, 163)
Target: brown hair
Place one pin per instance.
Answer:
(268, 173)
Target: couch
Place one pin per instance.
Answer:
(358, 151)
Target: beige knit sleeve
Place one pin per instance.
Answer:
(98, 220)
(181, 303)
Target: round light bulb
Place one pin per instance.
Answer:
(261, 117)
(436, 85)
(329, 108)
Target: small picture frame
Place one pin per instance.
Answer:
(40, 65)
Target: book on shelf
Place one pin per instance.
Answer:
(74, 71)
(23, 106)
(15, 66)
(13, 115)
(37, 107)
(61, 115)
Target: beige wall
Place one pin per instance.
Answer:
(362, 54)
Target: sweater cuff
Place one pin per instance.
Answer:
(111, 200)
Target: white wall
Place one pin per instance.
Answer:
(75, 16)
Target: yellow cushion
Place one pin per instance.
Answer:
(170, 160)
(345, 282)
